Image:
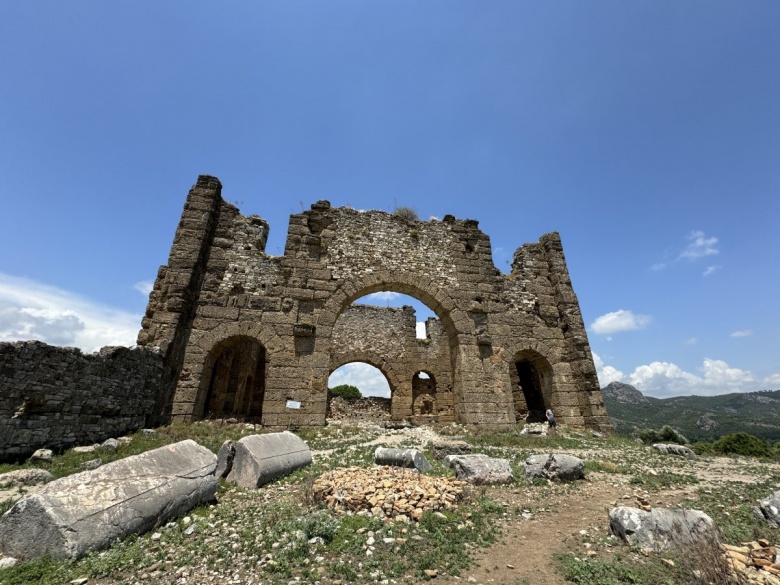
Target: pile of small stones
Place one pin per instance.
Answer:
(755, 560)
(386, 492)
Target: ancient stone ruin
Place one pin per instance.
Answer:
(252, 336)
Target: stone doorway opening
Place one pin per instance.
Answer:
(531, 386)
(237, 381)
(424, 396)
(376, 392)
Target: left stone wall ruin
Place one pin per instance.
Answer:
(58, 397)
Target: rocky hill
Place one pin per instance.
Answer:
(700, 418)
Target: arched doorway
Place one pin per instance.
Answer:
(424, 395)
(531, 386)
(375, 386)
(237, 380)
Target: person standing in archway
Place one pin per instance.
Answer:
(551, 418)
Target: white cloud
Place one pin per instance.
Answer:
(710, 270)
(772, 382)
(368, 379)
(606, 374)
(619, 321)
(33, 310)
(144, 287)
(663, 379)
(379, 297)
(691, 341)
(420, 330)
(658, 266)
(742, 333)
(700, 246)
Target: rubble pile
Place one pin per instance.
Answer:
(756, 560)
(387, 492)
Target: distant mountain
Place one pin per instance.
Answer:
(700, 418)
(625, 393)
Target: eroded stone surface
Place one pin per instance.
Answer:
(88, 510)
(482, 470)
(662, 529)
(555, 467)
(259, 459)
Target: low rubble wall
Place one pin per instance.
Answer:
(59, 397)
(371, 408)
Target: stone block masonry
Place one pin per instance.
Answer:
(255, 336)
(59, 397)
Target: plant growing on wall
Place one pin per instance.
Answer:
(406, 213)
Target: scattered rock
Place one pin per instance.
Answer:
(87, 511)
(769, 509)
(386, 492)
(555, 467)
(7, 562)
(148, 432)
(42, 456)
(482, 470)
(25, 477)
(535, 429)
(673, 449)
(125, 440)
(260, 459)
(410, 458)
(85, 448)
(109, 446)
(662, 529)
(92, 464)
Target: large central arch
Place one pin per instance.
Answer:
(457, 327)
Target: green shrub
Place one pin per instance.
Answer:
(665, 435)
(345, 391)
(742, 444)
(406, 213)
(703, 448)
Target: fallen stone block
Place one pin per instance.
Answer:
(109, 446)
(225, 459)
(554, 467)
(768, 509)
(535, 429)
(42, 456)
(673, 449)
(85, 448)
(662, 529)
(409, 458)
(24, 477)
(260, 459)
(482, 470)
(440, 449)
(87, 511)
(449, 460)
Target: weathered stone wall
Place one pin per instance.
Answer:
(500, 330)
(386, 338)
(369, 408)
(58, 397)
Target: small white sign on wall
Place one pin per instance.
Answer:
(294, 404)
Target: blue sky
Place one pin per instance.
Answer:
(646, 133)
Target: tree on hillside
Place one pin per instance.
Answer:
(345, 391)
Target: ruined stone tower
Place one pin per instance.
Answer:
(248, 335)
